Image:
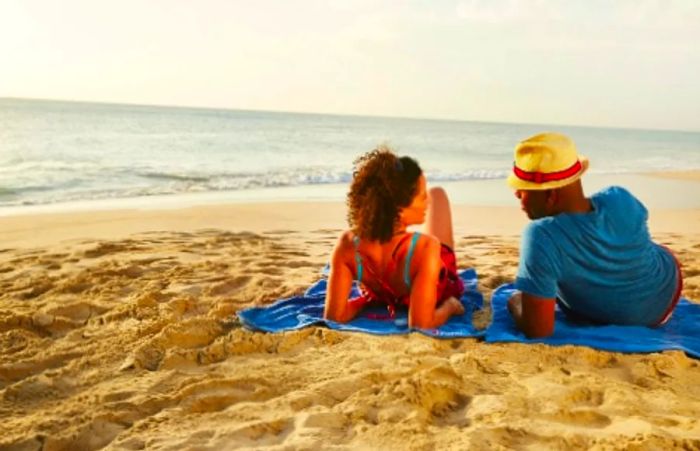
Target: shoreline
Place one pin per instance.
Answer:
(655, 189)
(494, 212)
(48, 229)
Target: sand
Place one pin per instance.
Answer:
(691, 175)
(117, 330)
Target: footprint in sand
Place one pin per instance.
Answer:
(174, 338)
(279, 232)
(327, 231)
(20, 370)
(263, 433)
(479, 238)
(690, 272)
(322, 420)
(96, 434)
(104, 249)
(30, 390)
(584, 396)
(229, 287)
(320, 241)
(52, 265)
(217, 395)
(6, 268)
(497, 280)
(300, 264)
(39, 287)
(76, 285)
(289, 253)
(584, 418)
(269, 270)
(664, 421)
(16, 340)
(455, 412)
(77, 311)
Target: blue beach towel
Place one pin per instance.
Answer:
(307, 310)
(681, 332)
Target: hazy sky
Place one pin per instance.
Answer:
(629, 63)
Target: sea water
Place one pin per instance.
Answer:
(55, 153)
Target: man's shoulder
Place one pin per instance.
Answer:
(540, 233)
(614, 194)
(620, 203)
(539, 227)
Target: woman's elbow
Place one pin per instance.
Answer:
(336, 316)
(422, 322)
(331, 316)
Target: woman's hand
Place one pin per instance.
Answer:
(455, 306)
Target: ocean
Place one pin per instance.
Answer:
(54, 152)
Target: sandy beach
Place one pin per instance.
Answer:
(117, 331)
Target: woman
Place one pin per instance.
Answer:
(393, 266)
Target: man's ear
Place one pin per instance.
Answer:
(551, 197)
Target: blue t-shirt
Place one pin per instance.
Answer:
(601, 264)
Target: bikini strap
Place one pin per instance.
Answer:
(409, 256)
(358, 260)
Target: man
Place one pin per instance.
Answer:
(592, 256)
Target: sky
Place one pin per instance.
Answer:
(612, 63)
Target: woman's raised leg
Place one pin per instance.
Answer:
(438, 218)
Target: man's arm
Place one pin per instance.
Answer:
(532, 314)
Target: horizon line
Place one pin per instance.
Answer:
(362, 115)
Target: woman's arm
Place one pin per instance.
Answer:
(422, 312)
(337, 307)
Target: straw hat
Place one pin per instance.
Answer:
(546, 161)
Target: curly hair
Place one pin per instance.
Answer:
(382, 185)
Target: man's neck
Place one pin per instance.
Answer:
(572, 200)
(579, 205)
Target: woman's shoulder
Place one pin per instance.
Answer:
(427, 239)
(344, 248)
(426, 243)
(426, 253)
(346, 240)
